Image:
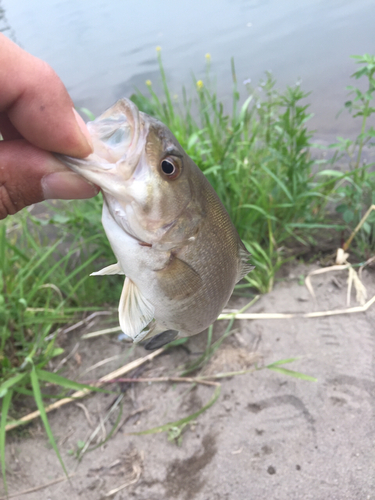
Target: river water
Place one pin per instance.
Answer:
(103, 49)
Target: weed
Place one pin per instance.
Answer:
(40, 286)
(76, 451)
(277, 367)
(257, 159)
(355, 188)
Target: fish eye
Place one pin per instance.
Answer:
(167, 167)
(171, 168)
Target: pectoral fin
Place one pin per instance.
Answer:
(178, 280)
(112, 269)
(135, 311)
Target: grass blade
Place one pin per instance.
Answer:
(278, 181)
(53, 378)
(43, 415)
(282, 362)
(277, 368)
(182, 421)
(4, 413)
(10, 383)
(292, 373)
(210, 348)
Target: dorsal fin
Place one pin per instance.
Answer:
(244, 267)
(135, 311)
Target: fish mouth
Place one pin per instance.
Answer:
(90, 168)
(117, 147)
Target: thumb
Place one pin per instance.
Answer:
(29, 175)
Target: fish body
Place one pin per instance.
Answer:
(169, 231)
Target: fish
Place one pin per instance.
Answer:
(170, 233)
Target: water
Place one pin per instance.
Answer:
(102, 50)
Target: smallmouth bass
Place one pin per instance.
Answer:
(169, 231)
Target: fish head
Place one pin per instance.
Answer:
(142, 170)
(168, 197)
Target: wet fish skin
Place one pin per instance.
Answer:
(172, 236)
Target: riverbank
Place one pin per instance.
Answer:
(268, 436)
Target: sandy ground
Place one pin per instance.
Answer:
(268, 436)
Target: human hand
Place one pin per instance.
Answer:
(37, 117)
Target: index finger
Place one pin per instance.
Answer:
(38, 104)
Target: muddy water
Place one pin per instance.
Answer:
(102, 49)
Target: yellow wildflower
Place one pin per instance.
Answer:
(199, 85)
(158, 48)
(208, 57)
(148, 83)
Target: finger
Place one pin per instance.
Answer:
(7, 129)
(38, 104)
(29, 175)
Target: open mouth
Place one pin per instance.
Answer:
(115, 136)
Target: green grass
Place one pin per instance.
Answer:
(355, 190)
(257, 157)
(44, 284)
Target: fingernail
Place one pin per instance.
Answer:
(67, 186)
(84, 130)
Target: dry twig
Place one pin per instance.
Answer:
(37, 488)
(137, 471)
(79, 394)
(317, 314)
(87, 414)
(187, 380)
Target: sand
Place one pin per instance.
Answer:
(268, 435)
